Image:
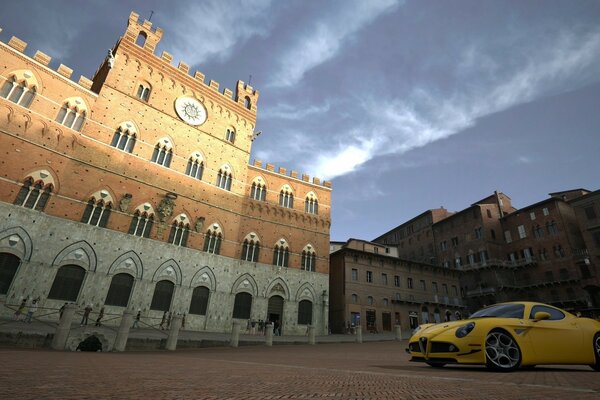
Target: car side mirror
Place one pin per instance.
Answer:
(541, 315)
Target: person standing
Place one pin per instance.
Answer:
(169, 316)
(20, 310)
(136, 322)
(86, 314)
(183, 322)
(32, 309)
(100, 316)
(163, 320)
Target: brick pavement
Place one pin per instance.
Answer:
(377, 370)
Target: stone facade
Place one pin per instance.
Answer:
(67, 139)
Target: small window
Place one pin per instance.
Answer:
(230, 135)
(247, 103)
(489, 213)
(250, 248)
(119, 290)
(354, 298)
(286, 198)
(522, 233)
(507, 236)
(18, 92)
(224, 178)
(141, 224)
(163, 153)
(370, 300)
(384, 280)
(163, 294)
(311, 206)
(34, 195)
(199, 302)
(532, 215)
(143, 92)
(455, 241)
(545, 211)
(141, 39)
(354, 274)
(396, 281)
(242, 305)
(309, 258)
(96, 213)
(195, 167)
(369, 277)
(281, 254)
(67, 283)
(258, 191)
(590, 212)
(423, 285)
(124, 139)
(212, 240)
(409, 283)
(180, 231)
(305, 312)
(72, 114)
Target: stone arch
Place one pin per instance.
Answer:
(129, 263)
(79, 253)
(16, 241)
(204, 277)
(245, 283)
(45, 175)
(306, 292)
(278, 287)
(169, 270)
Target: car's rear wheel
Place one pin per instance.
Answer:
(596, 344)
(435, 365)
(502, 353)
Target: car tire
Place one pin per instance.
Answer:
(596, 344)
(435, 365)
(502, 353)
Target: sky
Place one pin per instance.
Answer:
(403, 105)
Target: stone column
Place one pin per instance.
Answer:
(325, 313)
(398, 331)
(269, 334)
(235, 335)
(173, 332)
(358, 334)
(123, 332)
(59, 341)
(311, 334)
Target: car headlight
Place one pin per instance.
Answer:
(465, 330)
(417, 329)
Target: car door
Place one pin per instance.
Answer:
(557, 340)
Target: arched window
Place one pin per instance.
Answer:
(309, 259)
(370, 300)
(242, 305)
(224, 178)
(163, 294)
(311, 205)
(35, 195)
(230, 135)
(67, 283)
(119, 290)
(9, 264)
(354, 298)
(124, 137)
(199, 302)
(180, 230)
(163, 153)
(195, 166)
(141, 39)
(98, 209)
(258, 191)
(305, 312)
(247, 103)
(142, 221)
(281, 253)
(72, 114)
(20, 88)
(286, 197)
(212, 240)
(143, 92)
(251, 248)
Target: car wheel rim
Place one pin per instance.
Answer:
(597, 346)
(502, 351)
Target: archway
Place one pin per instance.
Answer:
(275, 311)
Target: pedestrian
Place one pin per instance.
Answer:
(100, 316)
(163, 320)
(169, 320)
(248, 326)
(183, 321)
(20, 310)
(261, 327)
(276, 328)
(32, 308)
(86, 314)
(136, 322)
(61, 310)
(253, 325)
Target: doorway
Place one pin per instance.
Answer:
(275, 311)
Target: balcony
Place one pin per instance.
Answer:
(499, 263)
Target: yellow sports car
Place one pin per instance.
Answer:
(507, 336)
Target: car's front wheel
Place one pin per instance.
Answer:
(502, 353)
(596, 345)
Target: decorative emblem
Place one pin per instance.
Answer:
(124, 203)
(199, 224)
(190, 110)
(165, 208)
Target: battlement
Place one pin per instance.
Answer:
(142, 34)
(293, 174)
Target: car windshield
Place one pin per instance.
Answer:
(501, 311)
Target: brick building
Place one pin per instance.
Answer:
(134, 189)
(371, 287)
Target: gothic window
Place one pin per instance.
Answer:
(143, 92)
(311, 205)
(247, 103)
(9, 264)
(309, 258)
(124, 137)
(242, 305)
(251, 248)
(72, 114)
(180, 230)
(212, 240)
(20, 89)
(195, 166)
(305, 312)
(67, 283)
(230, 135)
(98, 209)
(258, 190)
(199, 302)
(119, 290)
(142, 221)
(35, 191)
(163, 153)
(286, 197)
(224, 178)
(163, 294)
(281, 253)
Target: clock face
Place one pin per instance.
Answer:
(190, 110)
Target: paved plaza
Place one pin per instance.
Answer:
(372, 370)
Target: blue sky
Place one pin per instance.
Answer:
(404, 105)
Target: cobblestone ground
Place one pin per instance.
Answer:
(377, 370)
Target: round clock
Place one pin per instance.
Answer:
(190, 110)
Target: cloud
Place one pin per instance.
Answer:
(395, 126)
(294, 111)
(323, 40)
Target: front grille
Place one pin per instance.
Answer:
(414, 346)
(443, 347)
(423, 345)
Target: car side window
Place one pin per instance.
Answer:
(555, 314)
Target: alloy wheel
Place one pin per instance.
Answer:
(502, 351)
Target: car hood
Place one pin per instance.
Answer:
(436, 329)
